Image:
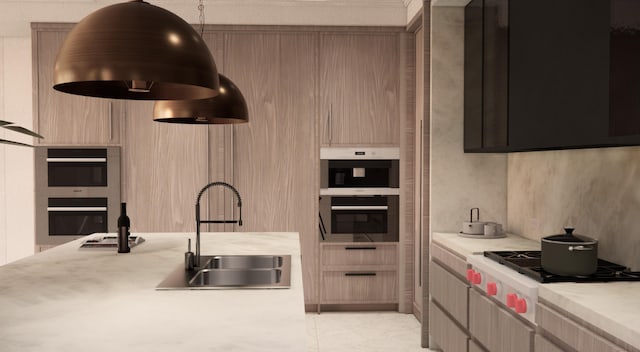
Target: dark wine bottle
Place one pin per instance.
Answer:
(123, 230)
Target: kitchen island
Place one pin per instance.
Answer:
(71, 299)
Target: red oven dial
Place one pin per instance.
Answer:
(521, 306)
(511, 300)
(492, 288)
(470, 273)
(477, 278)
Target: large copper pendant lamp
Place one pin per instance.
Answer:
(229, 107)
(135, 50)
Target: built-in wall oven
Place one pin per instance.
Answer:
(359, 194)
(77, 192)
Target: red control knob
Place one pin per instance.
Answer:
(492, 288)
(470, 273)
(511, 300)
(521, 306)
(477, 278)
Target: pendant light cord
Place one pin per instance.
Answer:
(201, 9)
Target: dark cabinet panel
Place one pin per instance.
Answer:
(558, 74)
(549, 74)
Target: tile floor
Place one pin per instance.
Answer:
(363, 332)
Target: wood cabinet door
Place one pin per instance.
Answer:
(359, 88)
(483, 320)
(276, 163)
(164, 167)
(450, 292)
(445, 333)
(66, 118)
(513, 335)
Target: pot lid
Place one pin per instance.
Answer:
(570, 237)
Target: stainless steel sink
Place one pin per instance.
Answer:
(243, 261)
(232, 272)
(236, 277)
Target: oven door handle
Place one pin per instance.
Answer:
(359, 207)
(76, 208)
(76, 160)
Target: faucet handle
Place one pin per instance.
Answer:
(189, 258)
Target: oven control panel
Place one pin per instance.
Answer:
(505, 285)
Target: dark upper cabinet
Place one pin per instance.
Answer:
(553, 75)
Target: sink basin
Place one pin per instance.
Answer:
(236, 277)
(242, 261)
(232, 272)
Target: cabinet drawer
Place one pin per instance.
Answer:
(359, 287)
(451, 260)
(497, 329)
(570, 332)
(445, 333)
(450, 292)
(543, 345)
(359, 254)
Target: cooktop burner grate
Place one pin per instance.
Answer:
(528, 263)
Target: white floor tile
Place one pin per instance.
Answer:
(363, 332)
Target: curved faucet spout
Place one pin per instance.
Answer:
(198, 221)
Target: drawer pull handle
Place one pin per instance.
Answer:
(360, 248)
(359, 274)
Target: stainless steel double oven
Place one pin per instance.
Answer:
(359, 194)
(77, 192)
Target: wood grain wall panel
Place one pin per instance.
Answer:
(359, 88)
(418, 221)
(276, 154)
(164, 165)
(65, 118)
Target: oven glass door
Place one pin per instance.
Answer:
(359, 173)
(77, 167)
(359, 215)
(77, 216)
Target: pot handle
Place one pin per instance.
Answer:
(477, 214)
(580, 248)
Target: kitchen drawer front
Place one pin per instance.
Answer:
(445, 333)
(483, 320)
(450, 292)
(497, 329)
(455, 262)
(359, 254)
(474, 347)
(571, 333)
(513, 334)
(359, 287)
(543, 345)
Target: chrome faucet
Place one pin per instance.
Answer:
(198, 221)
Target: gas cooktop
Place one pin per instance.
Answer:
(528, 263)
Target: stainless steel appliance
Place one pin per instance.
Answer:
(359, 194)
(77, 192)
(359, 218)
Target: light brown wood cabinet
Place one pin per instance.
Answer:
(66, 119)
(445, 333)
(365, 273)
(359, 88)
(496, 328)
(544, 345)
(450, 292)
(275, 163)
(572, 333)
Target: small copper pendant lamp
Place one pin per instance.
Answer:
(137, 51)
(229, 107)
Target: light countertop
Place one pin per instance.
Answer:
(613, 307)
(66, 299)
(465, 246)
(610, 306)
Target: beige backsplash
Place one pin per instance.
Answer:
(595, 190)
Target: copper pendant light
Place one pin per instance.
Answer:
(138, 51)
(228, 107)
